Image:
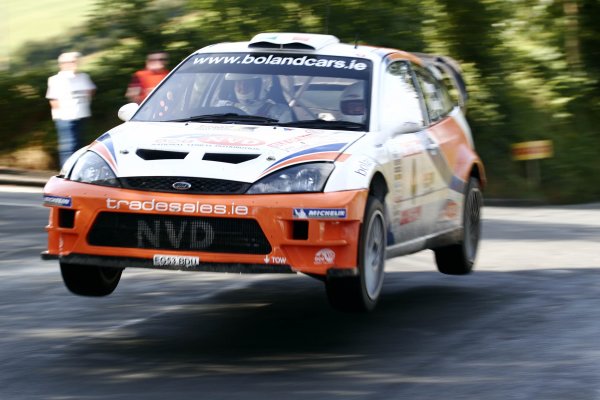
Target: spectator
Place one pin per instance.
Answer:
(70, 95)
(143, 81)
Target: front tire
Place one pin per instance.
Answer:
(91, 281)
(361, 293)
(458, 259)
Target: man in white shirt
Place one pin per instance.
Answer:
(70, 95)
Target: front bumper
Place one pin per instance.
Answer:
(310, 233)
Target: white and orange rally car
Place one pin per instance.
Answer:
(288, 153)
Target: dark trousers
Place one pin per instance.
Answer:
(69, 137)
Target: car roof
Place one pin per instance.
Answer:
(310, 43)
(320, 44)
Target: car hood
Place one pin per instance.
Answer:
(243, 153)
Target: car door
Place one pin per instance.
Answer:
(404, 119)
(440, 205)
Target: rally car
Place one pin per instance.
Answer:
(289, 153)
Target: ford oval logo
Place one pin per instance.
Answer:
(181, 185)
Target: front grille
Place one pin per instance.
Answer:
(171, 232)
(198, 185)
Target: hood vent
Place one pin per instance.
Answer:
(229, 158)
(148, 155)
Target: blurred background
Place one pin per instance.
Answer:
(532, 68)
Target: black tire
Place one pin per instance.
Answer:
(92, 281)
(361, 293)
(458, 259)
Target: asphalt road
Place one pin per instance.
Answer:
(525, 325)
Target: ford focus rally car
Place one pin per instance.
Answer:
(288, 153)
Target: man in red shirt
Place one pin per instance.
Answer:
(143, 81)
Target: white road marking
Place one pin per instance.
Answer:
(8, 204)
(20, 189)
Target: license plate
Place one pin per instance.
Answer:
(163, 260)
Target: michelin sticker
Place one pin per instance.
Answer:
(305, 213)
(56, 201)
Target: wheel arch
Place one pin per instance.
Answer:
(478, 172)
(378, 187)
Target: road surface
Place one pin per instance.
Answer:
(524, 325)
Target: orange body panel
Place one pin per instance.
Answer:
(455, 147)
(274, 214)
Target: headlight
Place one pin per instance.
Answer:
(68, 165)
(91, 168)
(297, 179)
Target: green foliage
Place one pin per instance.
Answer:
(532, 68)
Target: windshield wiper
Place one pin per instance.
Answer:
(323, 124)
(226, 117)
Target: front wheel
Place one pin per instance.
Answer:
(458, 259)
(92, 281)
(361, 293)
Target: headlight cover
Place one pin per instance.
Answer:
(68, 165)
(91, 168)
(304, 178)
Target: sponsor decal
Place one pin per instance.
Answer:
(305, 213)
(364, 166)
(428, 180)
(198, 235)
(230, 140)
(450, 210)
(397, 168)
(413, 186)
(177, 207)
(57, 201)
(411, 215)
(406, 147)
(324, 256)
(271, 59)
(287, 144)
(398, 191)
(221, 140)
(160, 260)
(302, 140)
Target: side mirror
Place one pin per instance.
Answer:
(401, 109)
(407, 127)
(126, 112)
(398, 120)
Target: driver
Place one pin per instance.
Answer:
(352, 103)
(251, 97)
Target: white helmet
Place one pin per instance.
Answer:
(352, 102)
(248, 88)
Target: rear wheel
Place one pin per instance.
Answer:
(87, 280)
(361, 293)
(458, 259)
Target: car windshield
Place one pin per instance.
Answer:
(324, 92)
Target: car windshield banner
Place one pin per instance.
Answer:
(283, 64)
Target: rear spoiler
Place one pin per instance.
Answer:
(449, 68)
